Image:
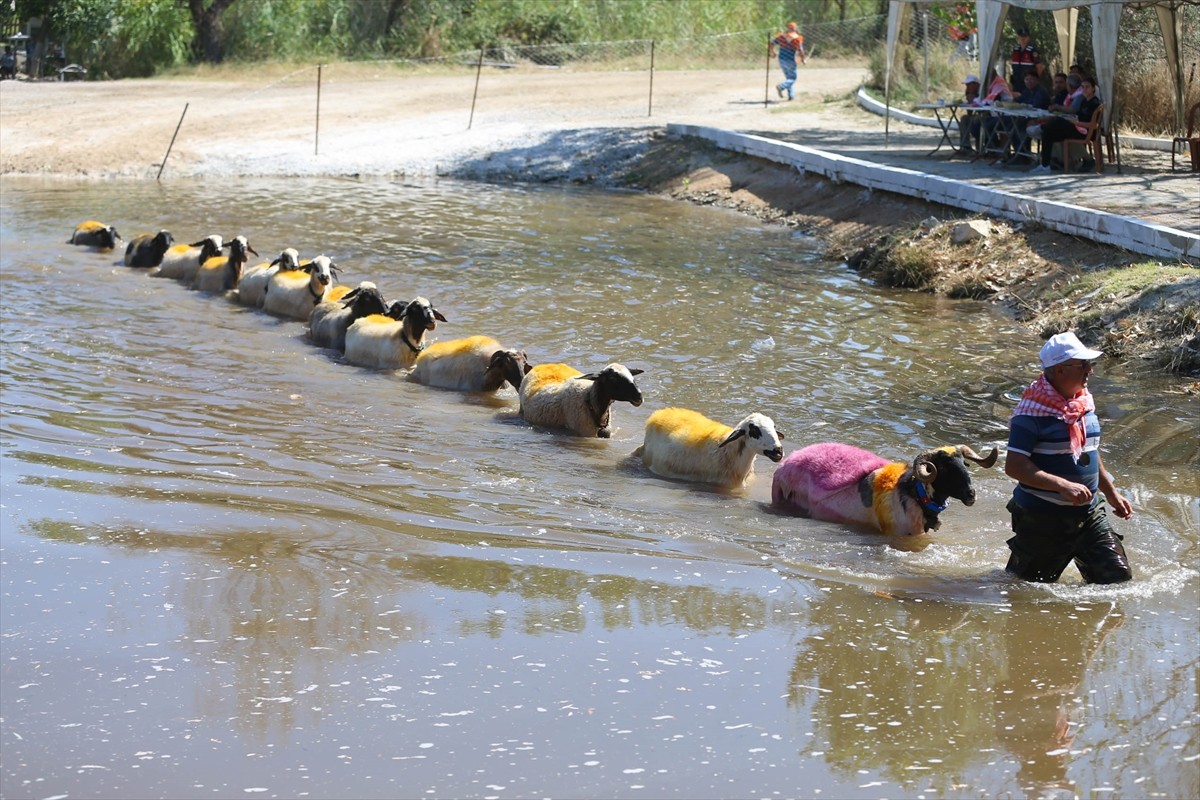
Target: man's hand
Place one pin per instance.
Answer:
(1120, 506)
(1076, 493)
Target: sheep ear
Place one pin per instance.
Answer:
(737, 433)
(636, 371)
(276, 261)
(252, 250)
(198, 244)
(528, 367)
(779, 433)
(591, 376)
(438, 315)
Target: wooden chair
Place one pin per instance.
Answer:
(1190, 141)
(1090, 141)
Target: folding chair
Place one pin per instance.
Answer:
(1090, 141)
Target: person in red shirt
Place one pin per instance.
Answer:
(790, 46)
(1025, 58)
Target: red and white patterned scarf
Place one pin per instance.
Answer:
(1041, 399)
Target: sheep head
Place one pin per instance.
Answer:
(162, 242)
(289, 259)
(944, 471)
(322, 269)
(420, 315)
(364, 300)
(109, 237)
(238, 249)
(615, 382)
(759, 432)
(210, 247)
(507, 365)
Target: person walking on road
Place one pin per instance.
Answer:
(790, 46)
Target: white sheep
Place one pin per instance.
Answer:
(394, 340)
(331, 318)
(182, 261)
(559, 396)
(95, 234)
(295, 293)
(473, 364)
(253, 286)
(687, 445)
(841, 483)
(221, 274)
(148, 249)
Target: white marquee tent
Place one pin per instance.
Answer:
(1106, 18)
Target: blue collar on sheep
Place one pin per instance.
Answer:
(927, 503)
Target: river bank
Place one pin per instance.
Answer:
(1137, 310)
(537, 126)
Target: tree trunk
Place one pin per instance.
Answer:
(397, 11)
(209, 43)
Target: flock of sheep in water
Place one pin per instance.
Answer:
(830, 481)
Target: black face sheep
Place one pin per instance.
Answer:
(148, 249)
(840, 483)
(329, 321)
(182, 261)
(253, 286)
(384, 342)
(293, 294)
(559, 396)
(689, 446)
(473, 364)
(95, 234)
(221, 274)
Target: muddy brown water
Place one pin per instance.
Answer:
(233, 565)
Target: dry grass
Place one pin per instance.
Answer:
(1147, 103)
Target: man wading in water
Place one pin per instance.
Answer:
(1054, 454)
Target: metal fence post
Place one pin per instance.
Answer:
(767, 76)
(317, 132)
(478, 69)
(163, 165)
(650, 108)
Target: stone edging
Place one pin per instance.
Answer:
(1132, 234)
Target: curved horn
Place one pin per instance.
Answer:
(925, 469)
(985, 462)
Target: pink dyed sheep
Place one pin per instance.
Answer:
(840, 483)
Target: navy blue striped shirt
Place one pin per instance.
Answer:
(1047, 442)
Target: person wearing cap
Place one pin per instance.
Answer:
(1025, 58)
(969, 121)
(790, 45)
(1058, 514)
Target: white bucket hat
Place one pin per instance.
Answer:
(1063, 347)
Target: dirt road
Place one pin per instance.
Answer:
(379, 120)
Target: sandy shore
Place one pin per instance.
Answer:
(375, 120)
